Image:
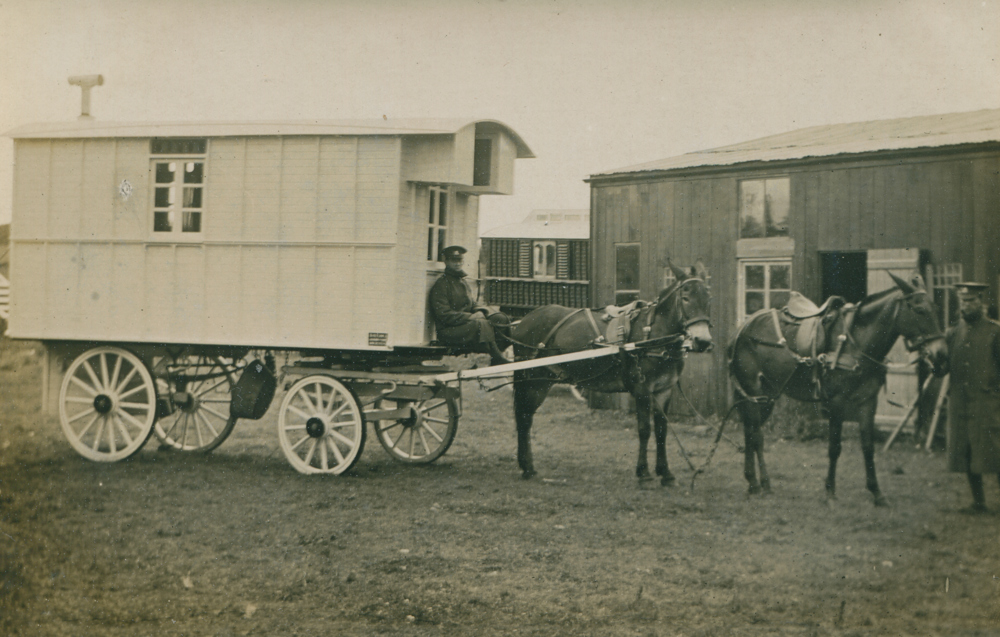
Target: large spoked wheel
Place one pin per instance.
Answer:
(195, 395)
(320, 426)
(107, 405)
(424, 435)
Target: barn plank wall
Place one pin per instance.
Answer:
(948, 205)
(296, 230)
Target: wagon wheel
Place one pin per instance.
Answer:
(195, 394)
(424, 435)
(320, 426)
(107, 404)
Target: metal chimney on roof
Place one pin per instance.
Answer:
(86, 82)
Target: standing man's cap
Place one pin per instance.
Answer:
(453, 251)
(971, 287)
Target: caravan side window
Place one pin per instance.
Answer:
(178, 171)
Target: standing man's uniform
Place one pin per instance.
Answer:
(457, 319)
(974, 395)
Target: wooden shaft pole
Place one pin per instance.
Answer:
(937, 411)
(913, 408)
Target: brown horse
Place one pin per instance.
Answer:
(676, 322)
(764, 367)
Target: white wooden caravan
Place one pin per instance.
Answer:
(150, 258)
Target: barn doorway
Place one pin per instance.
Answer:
(844, 274)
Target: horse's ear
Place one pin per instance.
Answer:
(917, 281)
(700, 270)
(902, 285)
(679, 273)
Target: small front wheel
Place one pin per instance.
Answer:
(320, 426)
(424, 435)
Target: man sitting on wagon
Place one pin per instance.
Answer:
(460, 322)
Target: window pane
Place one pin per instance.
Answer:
(624, 298)
(441, 244)
(433, 207)
(751, 209)
(754, 302)
(779, 299)
(442, 208)
(430, 244)
(550, 260)
(781, 277)
(162, 197)
(192, 222)
(776, 210)
(161, 221)
(627, 268)
(754, 277)
(193, 172)
(192, 197)
(163, 174)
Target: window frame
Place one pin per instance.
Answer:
(764, 183)
(160, 152)
(741, 287)
(437, 232)
(943, 278)
(543, 248)
(637, 291)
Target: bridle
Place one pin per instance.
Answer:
(686, 322)
(920, 342)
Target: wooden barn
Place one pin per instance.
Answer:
(278, 235)
(541, 260)
(822, 210)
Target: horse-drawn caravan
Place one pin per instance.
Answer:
(152, 258)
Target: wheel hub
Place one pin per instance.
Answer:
(103, 403)
(315, 427)
(186, 401)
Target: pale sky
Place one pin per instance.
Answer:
(590, 86)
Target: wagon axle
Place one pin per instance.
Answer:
(103, 404)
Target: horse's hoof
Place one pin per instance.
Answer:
(880, 501)
(755, 489)
(528, 474)
(667, 481)
(645, 478)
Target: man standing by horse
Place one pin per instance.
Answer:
(459, 321)
(974, 395)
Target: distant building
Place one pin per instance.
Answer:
(822, 210)
(543, 259)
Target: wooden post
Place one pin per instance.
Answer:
(909, 412)
(937, 411)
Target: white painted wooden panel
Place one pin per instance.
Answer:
(128, 293)
(159, 294)
(335, 276)
(65, 189)
(63, 289)
(296, 295)
(94, 311)
(374, 294)
(31, 188)
(337, 189)
(133, 215)
(188, 319)
(224, 190)
(901, 384)
(223, 301)
(98, 189)
(262, 198)
(28, 270)
(300, 172)
(259, 318)
(378, 189)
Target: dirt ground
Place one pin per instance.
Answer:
(238, 543)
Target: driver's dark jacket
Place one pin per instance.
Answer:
(450, 301)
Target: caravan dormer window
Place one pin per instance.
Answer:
(545, 259)
(178, 186)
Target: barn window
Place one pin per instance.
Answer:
(764, 207)
(437, 223)
(544, 259)
(626, 273)
(943, 280)
(763, 284)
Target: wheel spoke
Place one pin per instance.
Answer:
(204, 419)
(99, 434)
(336, 451)
(395, 443)
(114, 375)
(122, 385)
(301, 440)
(304, 395)
(342, 438)
(90, 424)
(431, 431)
(104, 370)
(123, 430)
(129, 417)
(87, 388)
(423, 441)
(80, 400)
(134, 390)
(309, 454)
(324, 461)
(136, 406)
(298, 412)
(93, 376)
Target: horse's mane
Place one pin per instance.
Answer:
(873, 301)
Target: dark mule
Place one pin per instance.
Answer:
(764, 367)
(679, 317)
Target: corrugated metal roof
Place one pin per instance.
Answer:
(546, 224)
(928, 131)
(97, 128)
